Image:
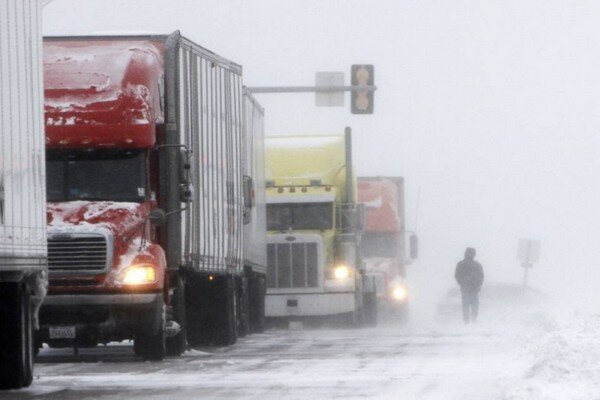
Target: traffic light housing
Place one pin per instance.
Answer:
(362, 99)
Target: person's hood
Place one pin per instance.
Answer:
(470, 253)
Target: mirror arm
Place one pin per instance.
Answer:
(176, 211)
(146, 220)
(183, 146)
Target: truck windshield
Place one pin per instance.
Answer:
(110, 175)
(300, 216)
(375, 244)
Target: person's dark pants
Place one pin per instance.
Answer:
(470, 305)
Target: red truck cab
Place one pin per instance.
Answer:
(103, 115)
(383, 240)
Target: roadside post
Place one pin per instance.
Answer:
(528, 252)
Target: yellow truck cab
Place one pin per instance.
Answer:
(314, 224)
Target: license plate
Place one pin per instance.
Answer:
(62, 332)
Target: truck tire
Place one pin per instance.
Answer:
(16, 337)
(347, 320)
(257, 291)
(151, 346)
(197, 298)
(370, 308)
(227, 316)
(177, 344)
(243, 307)
(403, 314)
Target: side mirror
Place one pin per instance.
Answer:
(248, 198)
(185, 193)
(248, 192)
(361, 216)
(157, 217)
(184, 161)
(414, 246)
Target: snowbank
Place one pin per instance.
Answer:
(564, 361)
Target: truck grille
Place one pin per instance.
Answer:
(77, 253)
(292, 265)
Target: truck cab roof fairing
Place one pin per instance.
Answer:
(102, 92)
(380, 195)
(286, 161)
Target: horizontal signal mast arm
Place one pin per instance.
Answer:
(310, 89)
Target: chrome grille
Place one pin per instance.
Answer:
(292, 265)
(81, 253)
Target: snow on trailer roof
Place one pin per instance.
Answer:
(181, 40)
(106, 90)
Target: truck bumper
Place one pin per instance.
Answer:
(100, 318)
(309, 304)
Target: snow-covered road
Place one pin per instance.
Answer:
(386, 363)
(525, 347)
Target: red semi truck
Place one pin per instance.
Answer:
(383, 240)
(153, 150)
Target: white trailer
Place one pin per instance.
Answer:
(23, 266)
(255, 218)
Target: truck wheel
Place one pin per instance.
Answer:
(243, 307)
(257, 291)
(177, 344)
(370, 308)
(151, 346)
(16, 337)
(227, 318)
(352, 319)
(403, 314)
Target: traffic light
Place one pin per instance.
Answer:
(362, 99)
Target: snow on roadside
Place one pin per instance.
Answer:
(564, 361)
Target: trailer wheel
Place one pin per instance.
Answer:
(227, 318)
(152, 346)
(16, 337)
(370, 308)
(257, 290)
(177, 344)
(243, 307)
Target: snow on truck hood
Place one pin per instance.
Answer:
(114, 217)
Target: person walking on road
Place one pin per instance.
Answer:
(469, 275)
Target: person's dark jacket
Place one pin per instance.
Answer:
(469, 275)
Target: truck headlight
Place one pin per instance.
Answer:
(399, 293)
(139, 275)
(341, 272)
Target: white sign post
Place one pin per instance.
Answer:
(528, 252)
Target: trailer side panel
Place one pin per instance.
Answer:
(22, 168)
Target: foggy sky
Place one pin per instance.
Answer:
(491, 108)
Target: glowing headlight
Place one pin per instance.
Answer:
(399, 293)
(139, 275)
(341, 272)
